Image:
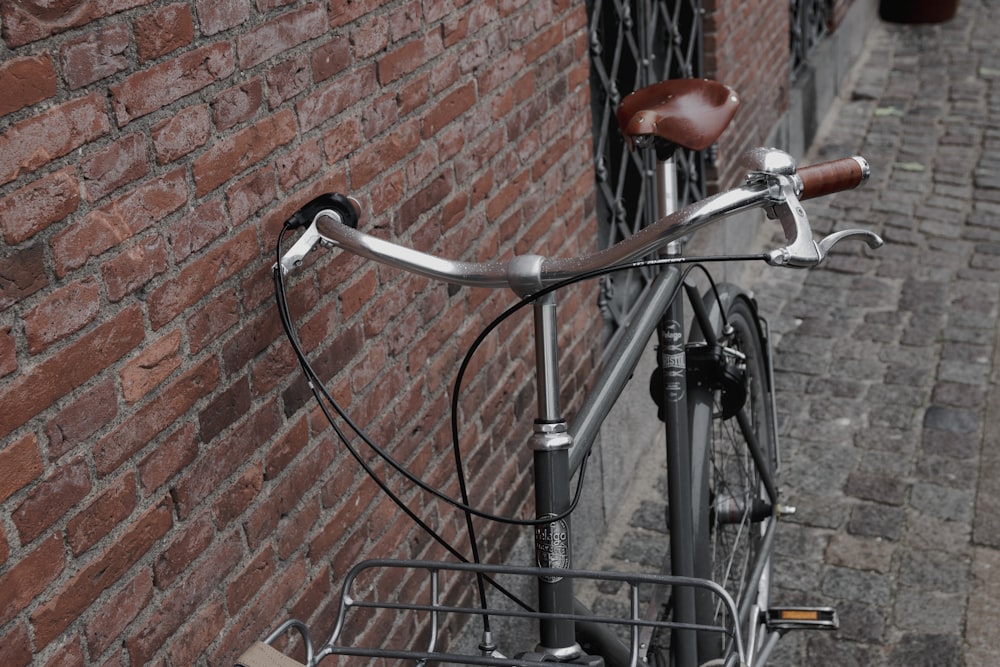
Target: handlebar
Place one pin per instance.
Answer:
(825, 178)
(772, 183)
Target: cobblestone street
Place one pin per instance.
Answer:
(888, 366)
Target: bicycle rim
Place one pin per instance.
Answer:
(738, 509)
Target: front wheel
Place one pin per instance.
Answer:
(734, 453)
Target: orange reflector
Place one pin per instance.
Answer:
(799, 615)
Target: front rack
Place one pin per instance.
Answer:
(353, 597)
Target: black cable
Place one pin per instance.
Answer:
(320, 393)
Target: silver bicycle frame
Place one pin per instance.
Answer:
(558, 450)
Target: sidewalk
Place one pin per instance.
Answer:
(888, 367)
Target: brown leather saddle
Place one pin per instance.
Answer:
(690, 113)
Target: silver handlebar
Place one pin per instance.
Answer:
(775, 190)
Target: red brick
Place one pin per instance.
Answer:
(163, 30)
(258, 619)
(70, 654)
(319, 106)
(8, 353)
(268, 5)
(424, 200)
(15, 646)
(241, 151)
(152, 89)
(113, 223)
(239, 496)
(64, 311)
(272, 369)
(20, 464)
(366, 166)
(26, 81)
(299, 164)
(26, 22)
(4, 546)
(371, 36)
(379, 115)
(287, 79)
(201, 276)
(169, 458)
(98, 519)
(51, 134)
(23, 274)
(95, 56)
(109, 621)
(460, 25)
(107, 170)
(500, 72)
(405, 20)
(155, 363)
(198, 228)
(56, 614)
(218, 15)
(75, 423)
(51, 498)
(250, 580)
(293, 533)
(237, 104)
(38, 205)
(281, 34)
(212, 319)
(207, 474)
(180, 603)
(188, 644)
(298, 478)
(252, 339)
(409, 57)
(41, 385)
(252, 193)
(343, 140)
(135, 432)
(187, 543)
(331, 58)
(181, 133)
(283, 452)
(28, 577)
(226, 407)
(135, 267)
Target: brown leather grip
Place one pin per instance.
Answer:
(826, 178)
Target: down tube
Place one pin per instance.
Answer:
(619, 366)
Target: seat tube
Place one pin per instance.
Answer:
(551, 444)
(674, 368)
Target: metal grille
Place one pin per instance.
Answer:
(634, 43)
(809, 20)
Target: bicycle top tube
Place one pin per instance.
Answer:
(776, 188)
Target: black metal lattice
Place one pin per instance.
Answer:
(634, 43)
(809, 24)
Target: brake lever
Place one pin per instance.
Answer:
(807, 254)
(873, 240)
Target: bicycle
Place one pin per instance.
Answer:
(712, 387)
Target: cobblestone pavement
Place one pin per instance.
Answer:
(888, 368)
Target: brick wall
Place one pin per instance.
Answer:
(740, 50)
(168, 491)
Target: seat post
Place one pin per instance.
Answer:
(666, 192)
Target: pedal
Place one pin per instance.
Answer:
(783, 619)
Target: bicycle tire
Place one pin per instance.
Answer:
(731, 504)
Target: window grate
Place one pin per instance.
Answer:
(809, 21)
(634, 43)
